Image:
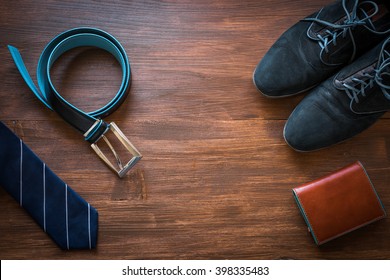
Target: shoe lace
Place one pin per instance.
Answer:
(368, 80)
(352, 20)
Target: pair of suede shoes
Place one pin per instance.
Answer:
(340, 55)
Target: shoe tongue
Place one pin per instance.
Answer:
(365, 64)
(374, 102)
(333, 13)
(377, 22)
(375, 99)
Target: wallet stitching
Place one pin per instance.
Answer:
(307, 217)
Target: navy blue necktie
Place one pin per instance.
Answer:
(69, 220)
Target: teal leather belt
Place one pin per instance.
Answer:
(90, 124)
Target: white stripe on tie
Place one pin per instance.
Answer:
(89, 226)
(66, 216)
(44, 197)
(21, 174)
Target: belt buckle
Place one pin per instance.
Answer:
(120, 169)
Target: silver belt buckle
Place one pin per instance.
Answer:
(118, 168)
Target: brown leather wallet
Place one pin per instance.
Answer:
(339, 203)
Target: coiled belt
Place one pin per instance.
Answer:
(90, 124)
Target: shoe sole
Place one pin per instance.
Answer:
(281, 96)
(305, 151)
(315, 150)
(319, 149)
(297, 150)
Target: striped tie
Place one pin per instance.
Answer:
(69, 220)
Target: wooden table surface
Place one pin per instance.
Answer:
(216, 177)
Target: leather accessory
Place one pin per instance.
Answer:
(66, 217)
(339, 203)
(344, 105)
(90, 124)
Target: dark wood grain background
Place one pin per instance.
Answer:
(216, 178)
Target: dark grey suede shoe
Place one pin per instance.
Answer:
(317, 47)
(344, 105)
